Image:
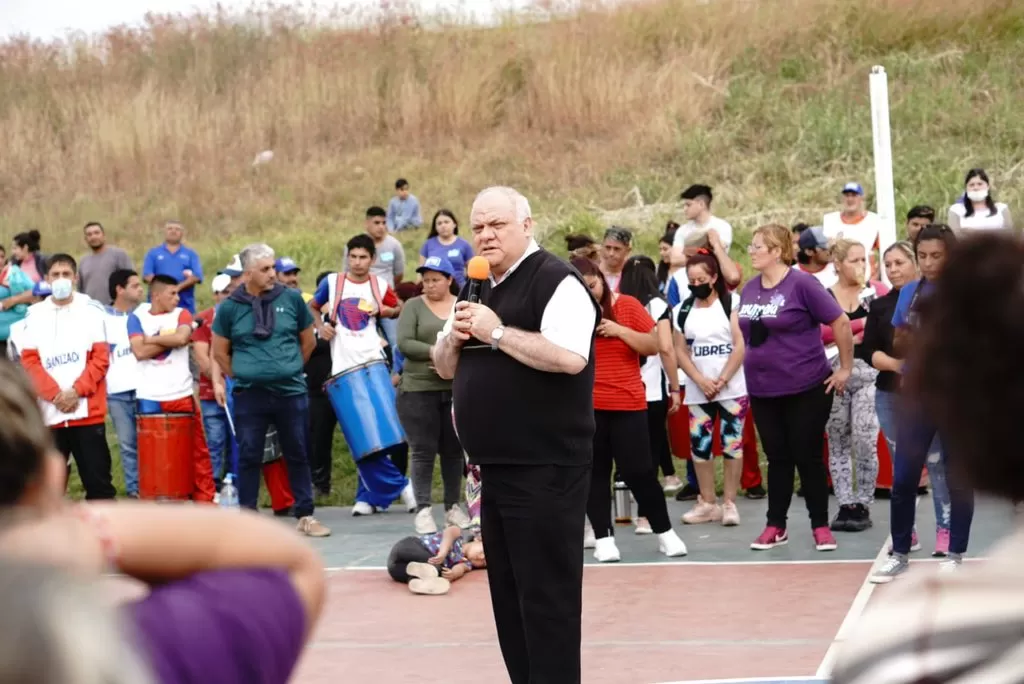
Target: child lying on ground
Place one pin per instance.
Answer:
(431, 562)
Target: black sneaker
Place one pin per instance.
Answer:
(842, 520)
(860, 518)
(755, 493)
(687, 493)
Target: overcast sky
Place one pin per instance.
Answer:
(53, 18)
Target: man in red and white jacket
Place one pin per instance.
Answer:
(159, 333)
(65, 353)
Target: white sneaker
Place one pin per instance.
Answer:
(642, 527)
(457, 517)
(671, 545)
(589, 540)
(408, 498)
(424, 522)
(363, 508)
(951, 564)
(605, 551)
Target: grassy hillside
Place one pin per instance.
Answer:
(766, 101)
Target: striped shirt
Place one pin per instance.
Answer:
(960, 628)
(617, 382)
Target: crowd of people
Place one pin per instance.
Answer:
(805, 357)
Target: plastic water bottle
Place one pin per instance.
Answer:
(229, 494)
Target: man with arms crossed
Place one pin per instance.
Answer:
(522, 361)
(262, 338)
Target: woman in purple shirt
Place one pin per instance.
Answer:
(444, 241)
(232, 597)
(789, 379)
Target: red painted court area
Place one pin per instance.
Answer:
(642, 624)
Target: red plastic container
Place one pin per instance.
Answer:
(166, 458)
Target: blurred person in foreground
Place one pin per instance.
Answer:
(967, 626)
(232, 597)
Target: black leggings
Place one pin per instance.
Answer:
(657, 432)
(408, 550)
(792, 430)
(621, 438)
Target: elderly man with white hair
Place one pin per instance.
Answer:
(262, 338)
(523, 370)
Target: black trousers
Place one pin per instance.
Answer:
(322, 424)
(87, 444)
(407, 550)
(621, 440)
(792, 431)
(532, 527)
(657, 431)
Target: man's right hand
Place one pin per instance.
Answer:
(220, 394)
(326, 332)
(462, 324)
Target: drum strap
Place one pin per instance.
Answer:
(340, 285)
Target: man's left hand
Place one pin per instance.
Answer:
(482, 322)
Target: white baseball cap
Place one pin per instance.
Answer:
(234, 267)
(221, 282)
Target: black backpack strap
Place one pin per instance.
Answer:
(684, 311)
(727, 304)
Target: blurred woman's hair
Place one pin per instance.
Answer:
(709, 261)
(903, 246)
(936, 231)
(60, 629)
(30, 240)
(965, 367)
(25, 440)
(841, 249)
(639, 279)
(667, 239)
(578, 241)
(587, 267)
(778, 237)
(439, 214)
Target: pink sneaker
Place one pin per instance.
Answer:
(770, 538)
(941, 543)
(915, 543)
(823, 539)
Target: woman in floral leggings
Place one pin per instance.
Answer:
(852, 426)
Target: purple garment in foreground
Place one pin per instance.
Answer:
(792, 358)
(227, 626)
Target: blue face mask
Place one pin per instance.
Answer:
(62, 288)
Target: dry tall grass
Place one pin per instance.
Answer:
(764, 99)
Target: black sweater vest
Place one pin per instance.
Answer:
(507, 412)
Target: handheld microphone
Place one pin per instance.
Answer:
(478, 271)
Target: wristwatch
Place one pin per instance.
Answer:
(496, 336)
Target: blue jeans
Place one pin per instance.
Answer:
(254, 410)
(121, 407)
(885, 407)
(915, 434)
(215, 422)
(390, 328)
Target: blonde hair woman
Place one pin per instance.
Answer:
(789, 379)
(852, 426)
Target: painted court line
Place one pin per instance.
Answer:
(751, 680)
(659, 564)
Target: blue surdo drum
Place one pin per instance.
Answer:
(363, 399)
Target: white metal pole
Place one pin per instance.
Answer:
(885, 193)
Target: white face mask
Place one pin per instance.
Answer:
(61, 288)
(978, 195)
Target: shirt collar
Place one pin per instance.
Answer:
(530, 249)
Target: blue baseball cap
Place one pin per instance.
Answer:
(41, 289)
(286, 265)
(438, 265)
(853, 188)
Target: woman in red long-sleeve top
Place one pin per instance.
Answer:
(626, 332)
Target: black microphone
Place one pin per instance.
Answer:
(478, 271)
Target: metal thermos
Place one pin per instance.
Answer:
(622, 504)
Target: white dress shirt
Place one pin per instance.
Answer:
(569, 317)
